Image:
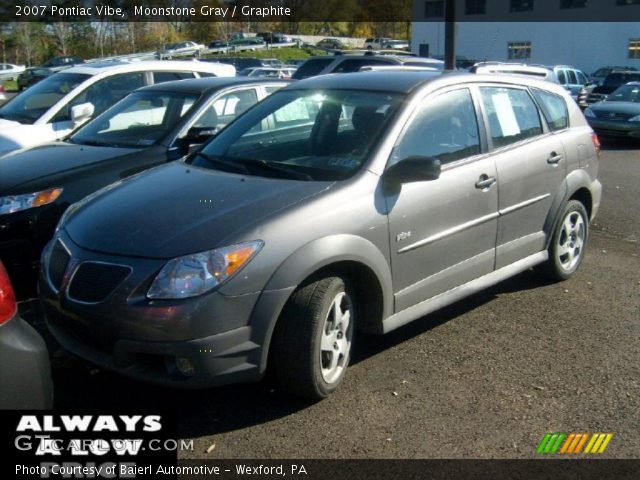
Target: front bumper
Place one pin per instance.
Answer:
(223, 339)
(612, 128)
(25, 371)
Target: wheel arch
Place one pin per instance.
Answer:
(575, 187)
(353, 257)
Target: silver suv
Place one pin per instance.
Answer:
(364, 200)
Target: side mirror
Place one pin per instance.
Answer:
(414, 169)
(81, 113)
(200, 134)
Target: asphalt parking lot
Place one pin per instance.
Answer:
(484, 378)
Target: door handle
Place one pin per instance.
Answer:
(485, 181)
(554, 158)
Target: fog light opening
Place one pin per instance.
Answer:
(182, 365)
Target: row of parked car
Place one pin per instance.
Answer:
(159, 224)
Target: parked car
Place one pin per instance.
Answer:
(272, 62)
(352, 63)
(181, 48)
(61, 62)
(619, 114)
(283, 73)
(376, 43)
(396, 45)
(364, 200)
(32, 76)
(597, 77)
(572, 79)
(256, 42)
(151, 126)
(241, 63)
(220, 45)
(274, 37)
(52, 108)
(596, 93)
(9, 71)
(25, 372)
(331, 44)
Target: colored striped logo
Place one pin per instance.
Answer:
(573, 443)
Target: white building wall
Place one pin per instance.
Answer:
(585, 45)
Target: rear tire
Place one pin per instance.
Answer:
(568, 243)
(313, 338)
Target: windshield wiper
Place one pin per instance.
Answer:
(282, 168)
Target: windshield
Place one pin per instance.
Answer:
(30, 105)
(617, 79)
(626, 93)
(139, 120)
(303, 134)
(312, 67)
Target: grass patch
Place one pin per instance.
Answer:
(283, 54)
(10, 85)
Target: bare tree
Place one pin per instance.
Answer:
(62, 34)
(25, 37)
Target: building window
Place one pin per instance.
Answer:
(434, 9)
(573, 3)
(519, 50)
(634, 48)
(628, 2)
(475, 7)
(521, 5)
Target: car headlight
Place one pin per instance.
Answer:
(635, 119)
(195, 274)
(16, 203)
(589, 113)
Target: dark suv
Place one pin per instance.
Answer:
(596, 93)
(363, 200)
(352, 63)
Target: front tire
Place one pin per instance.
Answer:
(569, 241)
(313, 338)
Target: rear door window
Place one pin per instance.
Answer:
(513, 116)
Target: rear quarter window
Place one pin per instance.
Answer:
(554, 109)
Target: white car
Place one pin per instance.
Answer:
(181, 48)
(9, 71)
(53, 107)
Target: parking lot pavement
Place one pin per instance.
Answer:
(484, 378)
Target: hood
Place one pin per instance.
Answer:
(14, 135)
(30, 165)
(179, 209)
(616, 107)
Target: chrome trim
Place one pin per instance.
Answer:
(48, 265)
(526, 203)
(450, 231)
(98, 262)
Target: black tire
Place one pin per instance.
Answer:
(297, 349)
(567, 247)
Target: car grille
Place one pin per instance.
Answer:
(614, 116)
(58, 262)
(92, 282)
